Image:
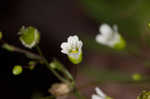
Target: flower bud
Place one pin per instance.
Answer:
(60, 89)
(29, 36)
(136, 77)
(32, 65)
(17, 70)
(56, 65)
(149, 24)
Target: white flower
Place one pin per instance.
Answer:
(99, 94)
(110, 36)
(73, 48)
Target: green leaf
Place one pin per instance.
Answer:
(29, 36)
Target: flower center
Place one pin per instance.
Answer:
(74, 51)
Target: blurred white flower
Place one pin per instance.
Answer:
(110, 36)
(73, 48)
(99, 94)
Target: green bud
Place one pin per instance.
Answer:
(144, 95)
(17, 70)
(56, 65)
(53, 65)
(32, 65)
(136, 77)
(8, 47)
(1, 35)
(120, 45)
(29, 36)
(149, 24)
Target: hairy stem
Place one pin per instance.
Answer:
(20, 50)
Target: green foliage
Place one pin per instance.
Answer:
(106, 75)
(17, 70)
(29, 36)
(144, 95)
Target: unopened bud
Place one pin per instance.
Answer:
(17, 70)
(149, 24)
(56, 65)
(60, 89)
(29, 36)
(32, 65)
(136, 77)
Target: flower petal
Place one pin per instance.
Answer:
(73, 38)
(115, 28)
(73, 41)
(65, 47)
(115, 39)
(96, 97)
(101, 39)
(100, 92)
(79, 44)
(105, 30)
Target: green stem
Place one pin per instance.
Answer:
(51, 69)
(19, 50)
(76, 91)
(62, 69)
(67, 74)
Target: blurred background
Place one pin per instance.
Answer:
(58, 19)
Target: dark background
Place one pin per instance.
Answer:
(56, 20)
